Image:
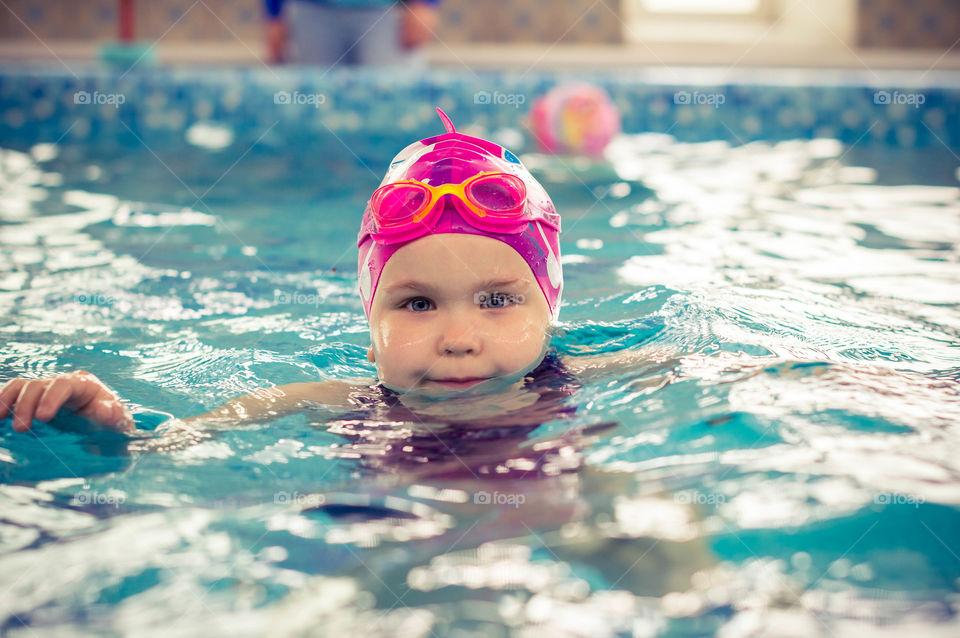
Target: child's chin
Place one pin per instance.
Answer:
(437, 391)
(492, 386)
(433, 390)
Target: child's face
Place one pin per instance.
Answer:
(432, 331)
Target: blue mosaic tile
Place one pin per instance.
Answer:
(40, 104)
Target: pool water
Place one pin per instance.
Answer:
(785, 461)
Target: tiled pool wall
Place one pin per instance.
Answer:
(932, 24)
(154, 105)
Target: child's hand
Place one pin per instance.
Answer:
(78, 393)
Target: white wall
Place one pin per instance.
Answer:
(824, 24)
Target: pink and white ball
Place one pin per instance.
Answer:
(577, 119)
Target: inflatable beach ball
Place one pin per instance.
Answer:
(577, 119)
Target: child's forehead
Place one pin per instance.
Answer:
(455, 259)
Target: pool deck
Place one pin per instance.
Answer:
(541, 56)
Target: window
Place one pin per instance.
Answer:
(701, 6)
(811, 24)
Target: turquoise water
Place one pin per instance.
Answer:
(782, 461)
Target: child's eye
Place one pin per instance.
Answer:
(499, 300)
(418, 304)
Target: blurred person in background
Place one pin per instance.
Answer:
(332, 32)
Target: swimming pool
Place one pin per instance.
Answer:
(786, 464)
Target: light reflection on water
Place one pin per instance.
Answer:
(782, 461)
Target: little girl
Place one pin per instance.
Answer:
(460, 278)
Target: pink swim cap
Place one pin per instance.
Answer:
(453, 158)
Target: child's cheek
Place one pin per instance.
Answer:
(407, 334)
(518, 352)
(400, 344)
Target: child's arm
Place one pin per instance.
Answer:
(82, 394)
(267, 404)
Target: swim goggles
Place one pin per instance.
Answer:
(492, 201)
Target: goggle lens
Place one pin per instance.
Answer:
(399, 203)
(498, 193)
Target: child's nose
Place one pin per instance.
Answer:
(459, 336)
